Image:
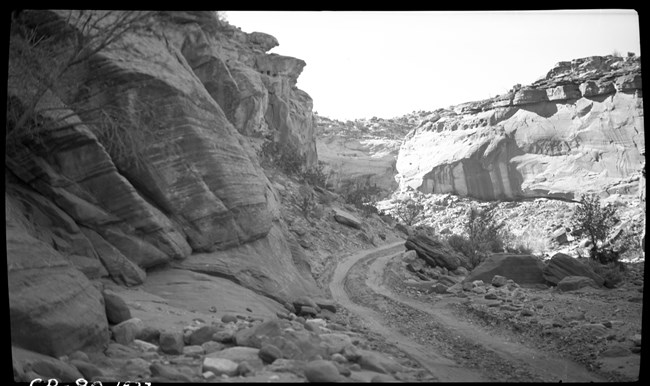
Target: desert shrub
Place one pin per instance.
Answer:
(408, 210)
(285, 157)
(610, 272)
(362, 196)
(316, 175)
(484, 236)
(595, 221)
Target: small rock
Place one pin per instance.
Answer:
(326, 305)
(208, 375)
(636, 339)
(193, 351)
(116, 309)
(171, 342)
(338, 358)
(615, 351)
(211, 346)
(355, 367)
(269, 353)
(135, 368)
(158, 369)
(149, 334)
(88, 370)
(308, 311)
(527, 312)
(607, 324)
(491, 296)
(382, 378)
(499, 281)
(479, 290)
(125, 332)
(439, 288)
(143, 346)
(478, 283)
(321, 371)
(220, 366)
(467, 286)
(351, 353)
(79, 355)
(224, 336)
(201, 335)
(229, 318)
(244, 369)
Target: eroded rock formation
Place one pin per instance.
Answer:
(197, 92)
(578, 129)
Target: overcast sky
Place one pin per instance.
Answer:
(386, 64)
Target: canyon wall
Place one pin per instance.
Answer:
(579, 129)
(173, 175)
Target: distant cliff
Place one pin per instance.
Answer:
(578, 129)
(199, 94)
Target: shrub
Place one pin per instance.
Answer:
(285, 157)
(315, 175)
(484, 236)
(610, 272)
(408, 211)
(363, 197)
(595, 221)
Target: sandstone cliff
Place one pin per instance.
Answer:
(199, 93)
(363, 151)
(579, 128)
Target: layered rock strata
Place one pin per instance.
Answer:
(174, 173)
(578, 129)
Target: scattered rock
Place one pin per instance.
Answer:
(636, 339)
(335, 342)
(54, 368)
(562, 265)
(125, 332)
(135, 368)
(491, 296)
(201, 335)
(144, 346)
(615, 351)
(321, 371)
(572, 283)
(193, 351)
(171, 342)
(382, 378)
(338, 358)
(308, 311)
(149, 334)
(499, 281)
(158, 369)
(375, 361)
(351, 353)
(346, 218)
(269, 353)
(219, 366)
(439, 288)
(240, 354)
(229, 318)
(522, 269)
(116, 309)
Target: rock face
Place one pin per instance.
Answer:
(195, 94)
(578, 129)
(361, 152)
(561, 266)
(522, 269)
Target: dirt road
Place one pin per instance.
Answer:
(485, 356)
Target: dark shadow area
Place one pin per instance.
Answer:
(599, 98)
(544, 109)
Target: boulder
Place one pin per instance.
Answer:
(116, 309)
(572, 283)
(158, 369)
(523, 269)
(529, 96)
(562, 265)
(346, 218)
(335, 342)
(436, 253)
(88, 370)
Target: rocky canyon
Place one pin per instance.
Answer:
(176, 211)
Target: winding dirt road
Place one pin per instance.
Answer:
(542, 365)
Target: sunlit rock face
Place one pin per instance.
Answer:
(578, 129)
(199, 92)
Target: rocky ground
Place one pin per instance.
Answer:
(598, 328)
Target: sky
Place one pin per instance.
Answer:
(385, 64)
